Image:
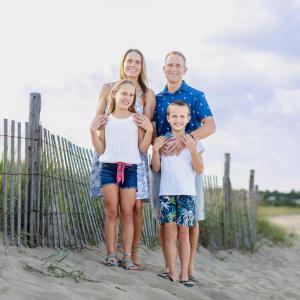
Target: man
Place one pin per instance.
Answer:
(201, 125)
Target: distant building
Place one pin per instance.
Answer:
(296, 201)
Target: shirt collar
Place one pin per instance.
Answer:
(184, 87)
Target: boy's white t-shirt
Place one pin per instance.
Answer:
(177, 173)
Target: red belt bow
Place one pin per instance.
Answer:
(120, 171)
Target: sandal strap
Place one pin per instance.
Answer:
(110, 256)
(127, 263)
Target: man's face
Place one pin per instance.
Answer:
(174, 68)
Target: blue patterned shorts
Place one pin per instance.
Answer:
(179, 209)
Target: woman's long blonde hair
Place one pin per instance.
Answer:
(114, 90)
(142, 79)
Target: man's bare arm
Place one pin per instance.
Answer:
(207, 128)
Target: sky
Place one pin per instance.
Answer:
(244, 55)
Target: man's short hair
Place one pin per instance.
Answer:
(176, 53)
(178, 103)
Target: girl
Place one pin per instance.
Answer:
(119, 145)
(133, 67)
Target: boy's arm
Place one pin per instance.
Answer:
(197, 162)
(157, 145)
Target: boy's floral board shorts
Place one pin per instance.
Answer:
(177, 208)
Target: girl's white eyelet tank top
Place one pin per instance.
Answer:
(121, 141)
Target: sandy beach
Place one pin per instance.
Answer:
(290, 222)
(269, 273)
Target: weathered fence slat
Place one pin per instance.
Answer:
(5, 180)
(25, 228)
(34, 132)
(43, 199)
(19, 166)
(39, 179)
(55, 189)
(12, 183)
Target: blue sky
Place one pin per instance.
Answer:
(244, 55)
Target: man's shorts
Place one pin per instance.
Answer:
(179, 209)
(199, 201)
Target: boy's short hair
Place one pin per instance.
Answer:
(178, 103)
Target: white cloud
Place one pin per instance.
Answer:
(287, 101)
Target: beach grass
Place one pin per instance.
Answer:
(274, 233)
(272, 211)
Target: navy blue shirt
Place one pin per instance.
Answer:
(196, 101)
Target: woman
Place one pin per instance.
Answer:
(132, 67)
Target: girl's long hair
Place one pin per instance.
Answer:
(112, 98)
(142, 79)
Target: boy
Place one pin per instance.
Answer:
(177, 189)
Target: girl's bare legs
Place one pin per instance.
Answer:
(184, 251)
(111, 202)
(138, 221)
(171, 247)
(127, 201)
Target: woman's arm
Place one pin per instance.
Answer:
(149, 104)
(98, 136)
(103, 98)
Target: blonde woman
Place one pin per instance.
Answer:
(133, 68)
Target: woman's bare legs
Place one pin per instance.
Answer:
(138, 221)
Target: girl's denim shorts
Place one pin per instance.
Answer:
(108, 175)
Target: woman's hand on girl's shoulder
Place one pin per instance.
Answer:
(99, 122)
(143, 122)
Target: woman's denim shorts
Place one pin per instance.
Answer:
(109, 173)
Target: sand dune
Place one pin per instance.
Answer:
(290, 222)
(270, 273)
